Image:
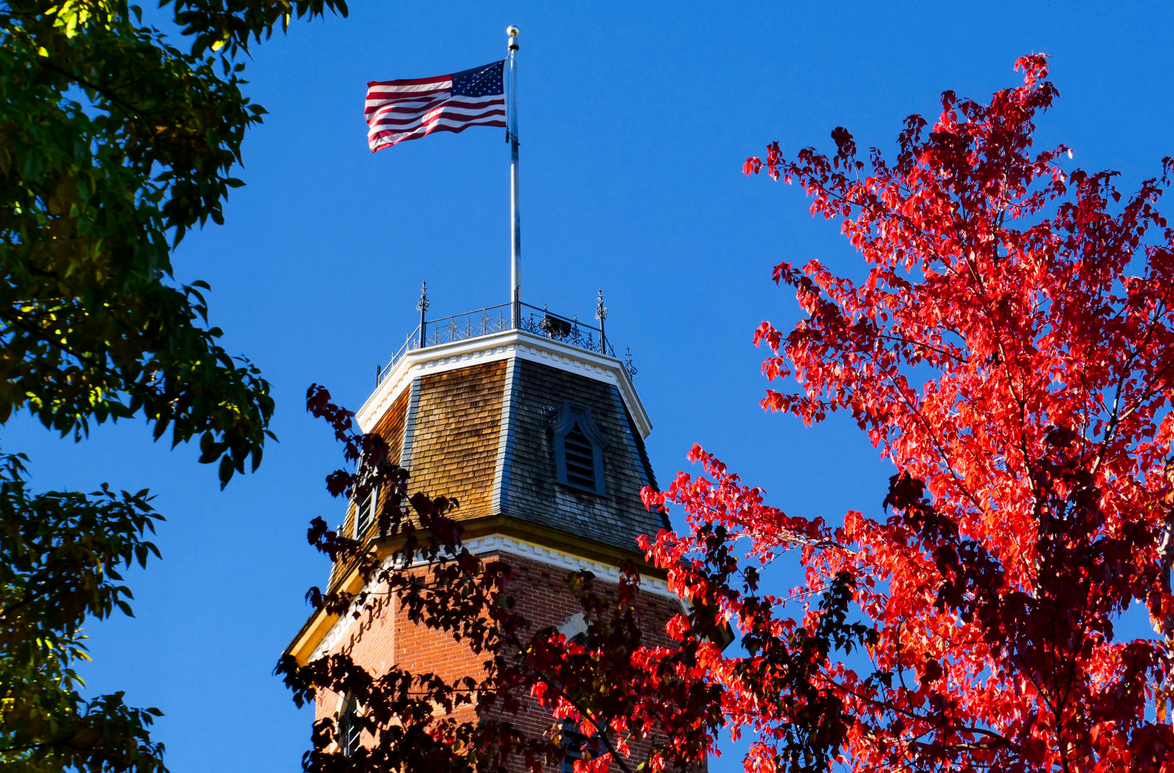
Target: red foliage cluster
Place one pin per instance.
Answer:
(1010, 349)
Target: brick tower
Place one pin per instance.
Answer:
(532, 423)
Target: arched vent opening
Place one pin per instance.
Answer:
(577, 746)
(580, 459)
(578, 449)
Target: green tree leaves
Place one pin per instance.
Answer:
(63, 553)
(113, 144)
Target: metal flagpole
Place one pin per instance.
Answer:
(515, 203)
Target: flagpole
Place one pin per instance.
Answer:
(515, 215)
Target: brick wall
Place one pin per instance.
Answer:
(387, 637)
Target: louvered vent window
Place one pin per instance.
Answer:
(578, 449)
(573, 743)
(577, 746)
(365, 512)
(580, 459)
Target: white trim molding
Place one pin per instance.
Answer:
(499, 543)
(499, 346)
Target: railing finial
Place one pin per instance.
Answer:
(628, 362)
(422, 306)
(601, 315)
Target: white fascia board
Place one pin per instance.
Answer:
(501, 346)
(500, 543)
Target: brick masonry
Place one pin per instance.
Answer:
(385, 637)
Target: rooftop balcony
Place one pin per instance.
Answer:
(506, 317)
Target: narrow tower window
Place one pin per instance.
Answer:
(578, 449)
(365, 512)
(574, 742)
(350, 735)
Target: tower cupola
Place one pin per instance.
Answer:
(534, 428)
(530, 421)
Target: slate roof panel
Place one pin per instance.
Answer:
(532, 492)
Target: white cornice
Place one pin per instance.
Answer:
(500, 543)
(500, 346)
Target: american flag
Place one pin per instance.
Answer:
(415, 107)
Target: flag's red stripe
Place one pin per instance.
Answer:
(406, 96)
(379, 131)
(456, 115)
(411, 81)
(452, 111)
(376, 143)
(424, 128)
(404, 107)
(375, 147)
(424, 99)
(436, 115)
(424, 107)
(385, 110)
(382, 118)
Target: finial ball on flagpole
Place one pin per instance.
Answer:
(512, 31)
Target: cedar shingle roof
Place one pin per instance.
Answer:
(455, 436)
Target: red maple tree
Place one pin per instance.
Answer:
(1010, 350)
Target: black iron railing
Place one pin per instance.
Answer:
(502, 318)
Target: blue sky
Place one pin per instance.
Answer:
(635, 120)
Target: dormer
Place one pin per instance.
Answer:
(578, 449)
